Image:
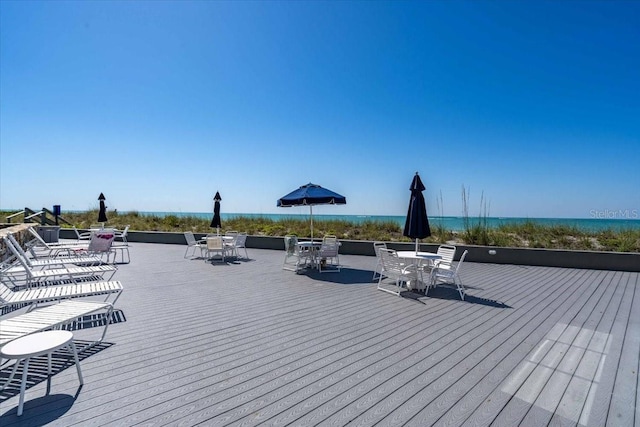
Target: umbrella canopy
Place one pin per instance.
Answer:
(216, 222)
(102, 214)
(417, 224)
(310, 195)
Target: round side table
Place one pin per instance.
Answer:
(38, 344)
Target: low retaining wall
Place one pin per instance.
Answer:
(619, 261)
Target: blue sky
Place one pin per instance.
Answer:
(534, 105)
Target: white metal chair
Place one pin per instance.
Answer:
(448, 275)
(294, 258)
(394, 269)
(447, 253)
(241, 242)
(122, 246)
(328, 254)
(192, 244)
(378, 268)
(215, 245)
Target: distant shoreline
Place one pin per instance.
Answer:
(453, 223)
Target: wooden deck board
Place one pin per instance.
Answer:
(249, 344)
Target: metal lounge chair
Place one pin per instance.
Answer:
(51, 261)
(27, 276)
(10, 298)
(55, 316)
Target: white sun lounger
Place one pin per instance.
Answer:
(28, 276)
(42, 294)
(54, 316)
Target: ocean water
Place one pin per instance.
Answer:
(449, 222)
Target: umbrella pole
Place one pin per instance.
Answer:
(417, 247)
(311, 214)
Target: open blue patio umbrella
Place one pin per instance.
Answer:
(417, 223)
(216, 222)
(311, 195)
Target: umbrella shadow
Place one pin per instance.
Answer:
(451, 293)
(346, 276)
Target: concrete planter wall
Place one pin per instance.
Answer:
(520, 256)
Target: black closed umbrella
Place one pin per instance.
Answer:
(102, 214)
(417, 224)
(216, 222)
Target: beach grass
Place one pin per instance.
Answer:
(527, 235)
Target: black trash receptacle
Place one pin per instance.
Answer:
(49, 233)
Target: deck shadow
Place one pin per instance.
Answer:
(40, 410)
(346, 276)
(60, 361)
(450, 293)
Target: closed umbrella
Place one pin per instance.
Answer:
(216, 222)
(417, 223)
(311, 195)
(102, 214)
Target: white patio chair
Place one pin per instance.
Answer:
(192, 244)
(121, 246)
(215, 245)
(229, 241)
(241, 242)
(447, 275)
(378, 267)
(394, 269)
(294, 257)
(447, 253)
(328, 254)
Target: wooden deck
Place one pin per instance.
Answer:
(251, 344)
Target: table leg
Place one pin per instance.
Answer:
(23, 386)
(75, 356)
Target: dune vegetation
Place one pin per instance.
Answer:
(476, 231)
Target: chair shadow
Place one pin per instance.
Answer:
(451, 293)
(346, 276)
(37, 373)
(41, 410)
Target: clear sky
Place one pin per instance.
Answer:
(159, 104)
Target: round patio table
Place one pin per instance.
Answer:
(33, 345)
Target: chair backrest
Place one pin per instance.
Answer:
(39, 238)
(329, 246)
(214, 243)
(390, 261)
(241, 240)
(123, 234)
(22, 260)
(447, 252)
(464, 254)
(101, 241)
(378, 245)
(291, 244)
(16, 247)
(190, 238)
(231, 233)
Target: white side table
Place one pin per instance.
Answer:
(38, 344)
